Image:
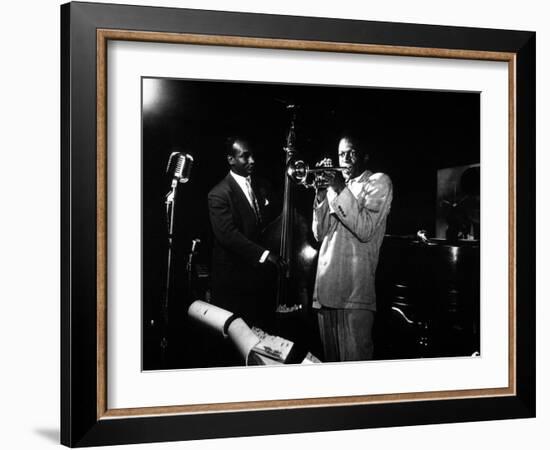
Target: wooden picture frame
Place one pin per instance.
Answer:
(86, 418)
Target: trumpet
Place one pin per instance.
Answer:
(299, 172)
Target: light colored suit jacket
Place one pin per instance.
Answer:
(351, 227)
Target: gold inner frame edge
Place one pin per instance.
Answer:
(103, 36)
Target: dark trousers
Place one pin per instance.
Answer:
(346, 334)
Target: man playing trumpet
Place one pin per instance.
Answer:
(349, 219)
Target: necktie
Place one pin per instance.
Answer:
(255, 205)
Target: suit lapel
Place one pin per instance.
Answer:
(240, 198)
(260, 197)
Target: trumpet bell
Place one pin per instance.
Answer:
(297, 170)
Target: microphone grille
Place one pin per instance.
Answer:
(179, 165)
(186, 165)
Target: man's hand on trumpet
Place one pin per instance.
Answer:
(329, 179)
(321, 182)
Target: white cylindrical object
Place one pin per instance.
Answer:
(243, 337)
(209, 314)
(215, 317)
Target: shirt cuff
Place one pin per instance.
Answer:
(264, 256)
(316, 305)
(317, 204)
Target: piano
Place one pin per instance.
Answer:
(428, 294)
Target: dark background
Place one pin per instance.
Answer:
(411, 134)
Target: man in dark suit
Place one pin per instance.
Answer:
(241, 266)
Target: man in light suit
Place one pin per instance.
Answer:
(349, 219)
(239, 208)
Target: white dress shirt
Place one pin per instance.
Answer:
(242, 182)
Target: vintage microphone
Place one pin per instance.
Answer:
(179, 168)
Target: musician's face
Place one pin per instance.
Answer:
(352, 158)
(242, 161)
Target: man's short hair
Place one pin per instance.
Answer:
(230, 142)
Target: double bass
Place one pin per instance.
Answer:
(289, 235)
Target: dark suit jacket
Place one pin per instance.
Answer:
(238, 278)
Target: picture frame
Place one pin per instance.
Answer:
(85, 416)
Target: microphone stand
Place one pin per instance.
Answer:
(170, 207)
(192, 254)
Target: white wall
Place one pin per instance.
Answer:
(29, 236)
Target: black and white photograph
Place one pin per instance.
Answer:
(307, 224)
